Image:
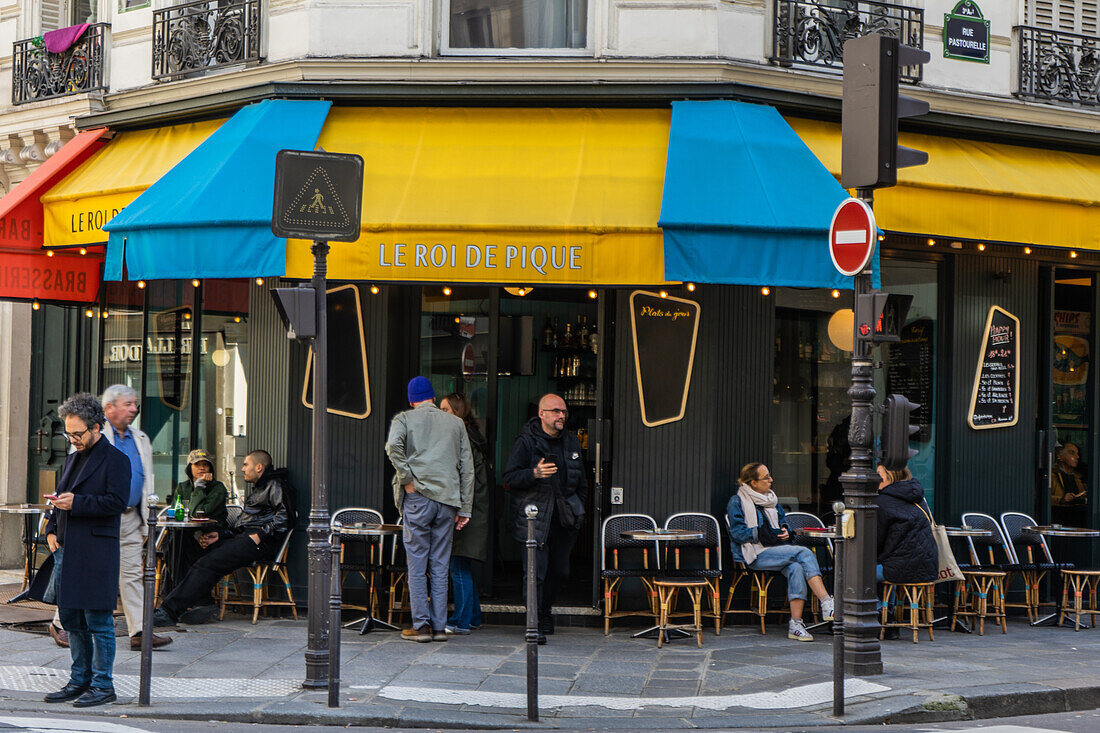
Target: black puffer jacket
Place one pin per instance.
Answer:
(533, 444)
(906, 548)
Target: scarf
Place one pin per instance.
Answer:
(749, 501)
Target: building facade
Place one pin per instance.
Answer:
(549, 131)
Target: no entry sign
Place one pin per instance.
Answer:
(852, 236)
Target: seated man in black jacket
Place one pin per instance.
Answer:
(257, 534)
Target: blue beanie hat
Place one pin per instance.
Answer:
(420, 389)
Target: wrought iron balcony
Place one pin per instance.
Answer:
(190, 38)
(813, 32)
(1058, 66)
(38, 74)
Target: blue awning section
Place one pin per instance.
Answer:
(745, 201)
(210, 215)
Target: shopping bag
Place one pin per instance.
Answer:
(949, 569)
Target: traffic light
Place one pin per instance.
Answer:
(870, 108)
(880, 316)
(896, 430)
(298, 309)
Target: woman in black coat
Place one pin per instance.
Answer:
(906, 548)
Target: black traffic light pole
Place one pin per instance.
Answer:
(320, 559)
(862, 655)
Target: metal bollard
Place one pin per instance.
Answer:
(334, 626)
(838, 615)
(149, 581)
(532, 635)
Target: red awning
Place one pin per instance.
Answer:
(21, 210)
(28, 272)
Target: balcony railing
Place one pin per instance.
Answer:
(38, 74)
(1058, 66)
(813, 32)
(193, 37)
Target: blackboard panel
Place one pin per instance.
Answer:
(665, 331)
(348, 384)
(994, 402)
(910, 371)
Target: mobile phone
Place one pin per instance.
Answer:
(50, 497)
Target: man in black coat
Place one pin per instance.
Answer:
(545, 468)
(257, 534)
(91, 496)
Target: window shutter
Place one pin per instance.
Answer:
(53, 15)
(1073, 16)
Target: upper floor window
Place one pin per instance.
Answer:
(515, 26)
(62, 13)
(1072, 16)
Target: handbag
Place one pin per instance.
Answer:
(949, 569)
(769, 537)
(50, 594)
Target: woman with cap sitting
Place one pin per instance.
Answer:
(203, 495)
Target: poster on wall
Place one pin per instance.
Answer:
(664, 331)
(1071, 366)
(994, 402)
(910, 371)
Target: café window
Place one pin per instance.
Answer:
(122, 336)
(348, 382)
(515, 26)
(1070, 397)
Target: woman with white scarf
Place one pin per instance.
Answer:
(749, 509)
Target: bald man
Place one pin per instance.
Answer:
(546, 469)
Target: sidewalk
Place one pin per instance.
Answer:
(233, 671)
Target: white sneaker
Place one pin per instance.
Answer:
(827, 609)
(796, 631)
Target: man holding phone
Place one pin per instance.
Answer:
(546, 469)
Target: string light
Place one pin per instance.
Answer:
(89, 313)
(691, 287)
(35, 304)
(981, 248)
(374, 290)
(882, 237)
(836, 293)
(49, 253)
(1072, 254)
(141, 285)
(187, 315)
(1027, 250)
(236, 319)
(105, 314)
(592, 294)
(447, 291)
(663, 293)
(765, 290)
(931, 243)
(259, 281)
(194, 283)
(83, 250)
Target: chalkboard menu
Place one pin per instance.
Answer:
(910, 371)
(665, 330)
(994, 402)
(348, 386)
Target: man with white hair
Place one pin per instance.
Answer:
(120, 406)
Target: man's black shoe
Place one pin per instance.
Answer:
(891, 634)
(541, 639)
(546, 625)
(66, 693)
(200, 615)
(162, 618)
(95, 696)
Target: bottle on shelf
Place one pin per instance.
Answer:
(557, 333)
(567, 337)
(548, 334)
(582, 332)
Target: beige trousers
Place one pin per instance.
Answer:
(130, 587)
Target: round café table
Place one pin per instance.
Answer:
(1057, 530)
(174, 550)
(661, 535)
(362, 529)
(824, 533)
(31, 522)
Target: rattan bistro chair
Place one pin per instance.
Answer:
(1032, 556)
(996, 553)
(259, 572)
(622, 558)
(758, 581)
(700, 559)
(822, 547)
(358, 554)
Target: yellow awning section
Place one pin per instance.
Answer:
(983, 191)
(76, 209)
(522, 196)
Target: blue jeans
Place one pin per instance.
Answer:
(467, 610)
(798, 564)
(92, 645)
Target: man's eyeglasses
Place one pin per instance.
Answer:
(77, 435)
(557, 411)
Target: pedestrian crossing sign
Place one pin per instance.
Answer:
(317, 195)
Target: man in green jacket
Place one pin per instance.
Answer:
(199, 493)
(433, 488)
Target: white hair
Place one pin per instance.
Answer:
(117, 392)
